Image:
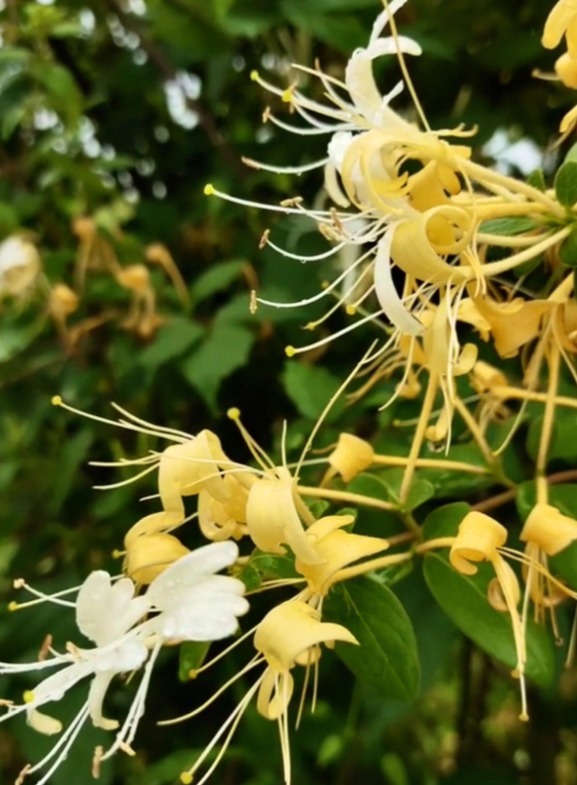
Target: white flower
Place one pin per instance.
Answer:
(194, 603)
(186, 602)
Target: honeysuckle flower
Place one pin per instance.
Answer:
(547, 532)
(194, 603)
(188, 601)
(20, 267)
(290, 635)
(106, 614)
(514, 323)
(274, 517)
(562, 21)
(351, 456)
(549, 529)
(339, 550)
(149, 555)
(566, 70)
(481, 538)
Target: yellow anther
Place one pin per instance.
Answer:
(186, 778)
(287, 96)
(56, 400)
(233, 413)
(290, 351)
(350, 310)
(208, 189)
(28, 696)
(254, 75)
(13, 606)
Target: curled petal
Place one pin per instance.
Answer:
(338, 548)
(351, 456)
(147, 557)
(273, 520)
(478, 538)
(292, 628)
(274, 694)
(548, 528)
(386, 292)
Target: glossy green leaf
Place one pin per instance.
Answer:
(563, 442)
(507, 227)
(225, 349)
(310, 388)
(386, 661)
(566, 183)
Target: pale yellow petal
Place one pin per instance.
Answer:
(548, 528)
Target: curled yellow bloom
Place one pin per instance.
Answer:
(273, 515)
(479, 539)
(566, 70)
(562, 21)
(222, 520)
(338, 549)
(147, 557)
(514, 323)
(290, 635)
(548, 528)
(351, 456)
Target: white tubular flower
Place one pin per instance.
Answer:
(186, 602)
(194, 603)
(106, 613)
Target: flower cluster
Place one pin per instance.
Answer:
(434, 245)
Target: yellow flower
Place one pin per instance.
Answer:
(548, 528)
(338, 549)
(566, 70)
(479, 539)
(147, 556)
(351, 456)
(274, 513)
(562, 21)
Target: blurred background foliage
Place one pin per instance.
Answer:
(113, 116)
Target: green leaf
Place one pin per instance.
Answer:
(71, 456)
(565, 184)
(464, 600)
(537, 180)
(216, 279)
(310, 387)
(171, 340)
(421, 490)
(225, 349)
(563, 442)
(568, 250)
(386, 661)
(571, 153)
(191, 656)
(507, 227)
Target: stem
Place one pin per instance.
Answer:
(482, 443)
(568, 475)
(504, 265)
(419, 436)
(489, 176)
(433, 463)
(438, 542)
(345, 496)
(526, 395)
(547, 429)
(373, 564)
